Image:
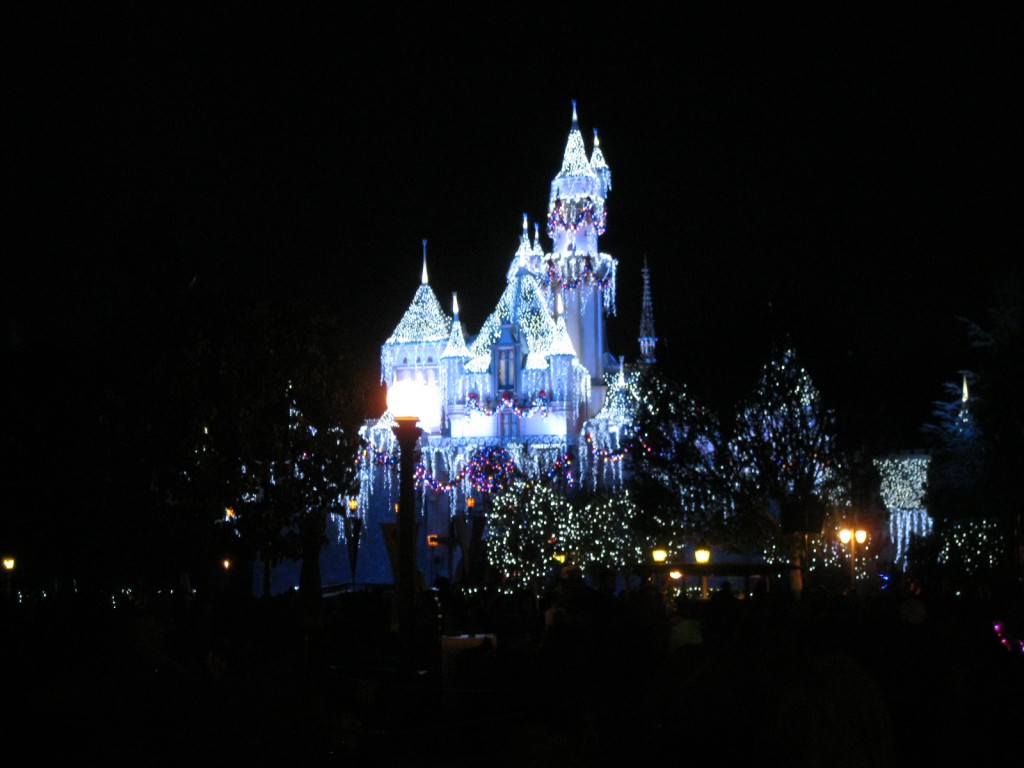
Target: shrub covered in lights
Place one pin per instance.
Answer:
(534, 529)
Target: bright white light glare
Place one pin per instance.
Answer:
(409, 399)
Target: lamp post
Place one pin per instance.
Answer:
(702, 555)
(353, 527)
(405, 400)
(8, 572)
(853, 538)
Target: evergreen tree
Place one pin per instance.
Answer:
(785, 467)
(999, 413)
(955, 472)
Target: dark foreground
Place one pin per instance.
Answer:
(609, 681)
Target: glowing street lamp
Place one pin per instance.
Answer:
(407, 400)
(353, 527)
(853, 538)
(659, 555)
(703, 556)
(9, 571)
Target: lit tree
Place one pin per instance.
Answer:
(785, 469)
(979, 459)
(273, 389)
(675, 469)
(529, 526)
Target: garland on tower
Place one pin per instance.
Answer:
(574, 217)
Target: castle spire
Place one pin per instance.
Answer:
(600, 167)
(456, 347)
(423, 278)
(574, 161)
(647, 337)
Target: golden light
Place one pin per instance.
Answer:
(229, 513)
(675, 575)
(226, 563)
(471, 502)
(660, 555)
(861, 536)
(702, 555)
(408, 399)
(559, 556)
(8, 563)
(432, 540)
(353, 504)
(845, 535)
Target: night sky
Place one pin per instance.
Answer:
(847, 182)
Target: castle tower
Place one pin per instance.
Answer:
(576, 268)
(413, 351)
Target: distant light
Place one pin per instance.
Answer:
(845, 535)
(861, 536)
(353, 504)
(702, 555)
(227, 564)
(675, 575)
(659, 555)
(8, 563)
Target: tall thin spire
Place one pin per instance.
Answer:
(647, 337)
(423, 279)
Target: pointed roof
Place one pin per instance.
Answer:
(424, 320)
(538, 249)
(456, 346)
(524, 306)
(523, 254)
(600, 167)
(597, 156)
(574, 161)
(619, 404)
(561, 344)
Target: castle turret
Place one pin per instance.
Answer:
(453, 362)
(413, 351)
(647, 338)
(576, 268)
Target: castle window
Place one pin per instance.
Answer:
(506, 368)
(508, 426)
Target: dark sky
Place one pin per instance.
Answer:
(849, 180)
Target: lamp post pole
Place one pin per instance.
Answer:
(407, 433)
(8, 572)
(853, 538)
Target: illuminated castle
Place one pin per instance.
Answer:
(514, 398)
